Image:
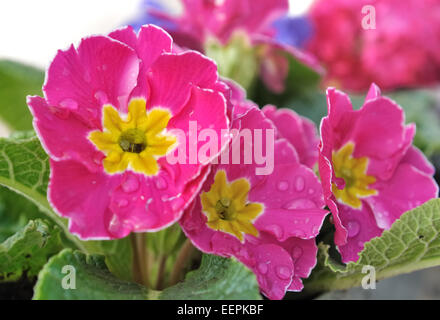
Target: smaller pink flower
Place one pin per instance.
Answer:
(371, 174)
(109, 118)
(299, 131)
(268, 222)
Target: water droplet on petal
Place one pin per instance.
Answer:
(300, 184)
(101, 97)
(297, 252)
(276, 230)
(283, 272)
(114, 225)
(300, 204)
(262, 268)
(130, 184)
(122, 203)
(161, 183)
(283, 185)
(353, 228)
(177, 204)
(69, 104)
(311, 191)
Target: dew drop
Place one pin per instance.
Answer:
(262, 268)
(69, 104)
(300, 204)
(177, 204)
(276, 230)
(122, 203)
(283, 272)
(130, 184)
(353, 228)
(297, 252)
(283, 185)
(300, 184)
(161, 183)
(101, 97)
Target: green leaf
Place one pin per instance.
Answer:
(90, 277)
(28, 250)
(118, 256)
(217, 278)
(24, 168)
(16, 82)
(412, 243)
(15, 212)
(236, 60)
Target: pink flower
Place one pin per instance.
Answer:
(299, 131)
(268, 222)
(371, 174)
(108, 119)
(401, 51)
(250, 22)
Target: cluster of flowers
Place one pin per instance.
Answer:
(106, 120)
(401, 51)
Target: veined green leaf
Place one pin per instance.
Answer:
(28, 250)
(217, 278)
(412, 243)
(72, 275)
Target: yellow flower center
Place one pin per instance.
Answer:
(354, 173)
(135, 142)
(227, 208)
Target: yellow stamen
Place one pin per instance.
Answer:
(354, 173)
(136, 142)
(227, 208)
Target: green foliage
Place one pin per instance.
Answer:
(237, 60)
(91, 280)
(217, 278)
(16, 82)
(28, 250)
(412, 243)
(15, 212)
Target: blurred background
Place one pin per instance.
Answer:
(35, 40)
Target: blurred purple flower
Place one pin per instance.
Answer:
(293, 31)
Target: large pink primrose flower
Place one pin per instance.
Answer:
(268, 222)
(370, 172)
(400, 50)
(111, 114)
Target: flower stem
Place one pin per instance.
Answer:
(161, 272)
(182, 260)
(140, 259)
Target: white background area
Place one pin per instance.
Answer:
(31, 31)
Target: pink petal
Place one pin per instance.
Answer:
(303, 254)
(373, 93)
(63, 135)
(193, 118)
(274, 269)
(83, 197)
(361, 227)
(294, 205)
(172, 76)
(299, 131)
(150, 43)
(417, 159)
(100, 71)
(406, 190)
